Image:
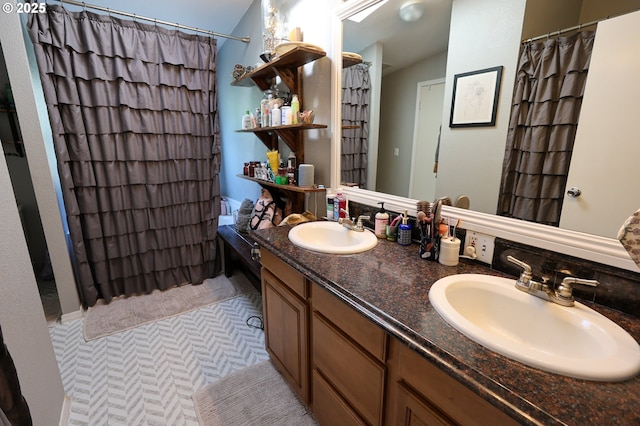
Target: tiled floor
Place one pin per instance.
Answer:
(146, 375)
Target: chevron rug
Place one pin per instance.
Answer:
(124, 313)
(147, 375)
(256, 395)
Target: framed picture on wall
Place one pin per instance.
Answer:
(475, 98)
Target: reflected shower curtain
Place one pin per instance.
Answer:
(133, 110)
(546, 105)
(355, 125)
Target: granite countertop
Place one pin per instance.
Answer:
(390, 285)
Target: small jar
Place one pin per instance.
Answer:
(245, 169)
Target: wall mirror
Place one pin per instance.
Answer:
(584, 244)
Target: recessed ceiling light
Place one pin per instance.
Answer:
(411, 11)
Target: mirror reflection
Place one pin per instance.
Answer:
(401, 149)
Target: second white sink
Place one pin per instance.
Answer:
(572, 341)
(331, 237)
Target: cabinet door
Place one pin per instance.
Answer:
(328, 407)
(286, 335)
(413, 411)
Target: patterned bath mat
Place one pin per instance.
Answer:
(256, 395)
(124, 313)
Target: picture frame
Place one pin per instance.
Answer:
(475, 98)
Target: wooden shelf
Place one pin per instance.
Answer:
(295, 193)
(284, 66)
(288, 188)
(289, 134)
(288, 67)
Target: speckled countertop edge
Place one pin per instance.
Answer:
(389, 284)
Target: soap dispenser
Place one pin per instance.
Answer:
(381, 222)
(404, 231)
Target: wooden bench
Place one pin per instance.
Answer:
(237, 252)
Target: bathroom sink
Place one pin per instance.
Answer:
(331, 237)
(572, 341)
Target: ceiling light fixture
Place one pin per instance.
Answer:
(411, 11)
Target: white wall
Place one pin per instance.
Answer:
(397, 119)
(484, 34)
(22, 319)
(30, 107)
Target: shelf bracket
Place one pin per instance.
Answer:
(293, 139)
(270, 139)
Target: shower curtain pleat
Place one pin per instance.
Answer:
(133, 110)
(355, 113)
(547, 97)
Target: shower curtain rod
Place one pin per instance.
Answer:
(155, 21)
(575, 27)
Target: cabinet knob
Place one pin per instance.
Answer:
(255, 252)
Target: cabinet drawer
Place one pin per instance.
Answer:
(413, 411)
(328, 407)
(292, 278)
(353, 324)
(444, 392)
(353, 373)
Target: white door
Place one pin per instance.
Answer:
(607, 135)
(430, 99)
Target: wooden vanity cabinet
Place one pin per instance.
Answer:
(348, 363)
(286, 323)
(348, 369)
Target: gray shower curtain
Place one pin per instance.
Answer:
(355, 125)
(133, 110)
(546, 105)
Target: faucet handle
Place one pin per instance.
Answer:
(526, 269)
(565, 288)
(363, 217)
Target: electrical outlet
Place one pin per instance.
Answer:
(483, 244)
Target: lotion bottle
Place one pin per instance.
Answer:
(295, 107)
(246, 120)
(382, 220)
(276, 116)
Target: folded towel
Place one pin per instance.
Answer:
(629, 236)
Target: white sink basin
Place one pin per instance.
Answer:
(572, 341)
(331, 237)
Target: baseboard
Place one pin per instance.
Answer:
(72, 316)
(65, 414)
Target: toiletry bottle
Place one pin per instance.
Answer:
(404, 231)
(264, 113)
(292, 168)
(330, 199)
(339, 205)
(295, 107)
(382, 219)
(276, 116)
(246, 120)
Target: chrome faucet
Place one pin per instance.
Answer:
(562, 294)
(349, 224)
